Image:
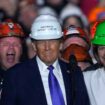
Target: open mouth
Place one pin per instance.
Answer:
(10, 57)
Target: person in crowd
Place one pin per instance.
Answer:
(97, 12)
(87, 6)
(94, 76)
(11, 35)
(56, 5)
(44, 79)
(73, 15)
(28, 11)
(74, 2)
(47, 10)
(3, 15)
(76, 41)
(10, 7)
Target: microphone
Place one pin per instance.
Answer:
(72, 63)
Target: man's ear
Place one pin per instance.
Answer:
(34, 46)
(61, 46)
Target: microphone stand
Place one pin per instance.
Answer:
(73, 67)
(79, 95)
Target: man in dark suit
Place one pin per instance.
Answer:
(30, 83)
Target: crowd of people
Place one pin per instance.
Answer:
(52, 52)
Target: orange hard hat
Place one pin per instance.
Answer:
(96, 14)
(11, 29)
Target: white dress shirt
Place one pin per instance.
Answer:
(44, 72)
(95, 83)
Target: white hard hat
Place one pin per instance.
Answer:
(71, 10)
(47, 10)
(46, 27)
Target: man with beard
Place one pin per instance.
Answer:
(11, 35)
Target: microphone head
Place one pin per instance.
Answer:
(72, 59)
(72, 66)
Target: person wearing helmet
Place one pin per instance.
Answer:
(11, 35)
(30, 83)
(72, 15)
(94, 79)
(77, 42)
(97, 12)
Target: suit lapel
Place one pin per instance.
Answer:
(39, 87)
(38, 82)
(66, 78)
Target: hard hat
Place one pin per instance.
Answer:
(76, 35)
(46, 27)
(72, 10)
(96, 14)
(10, 29)
(47, 10)
(98, 33)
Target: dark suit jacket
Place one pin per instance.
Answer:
(23, 85)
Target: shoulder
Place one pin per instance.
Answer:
(63, 64)
(94, 80)
(93, 75)
(92, 70)
(90, 77)
(20, 72)
(88, 74)
(22, 67)
(93, 67)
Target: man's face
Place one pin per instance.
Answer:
(101, 54)
(72, 20)
(48, 50)
(10, 51)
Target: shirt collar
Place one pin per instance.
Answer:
(43, 66)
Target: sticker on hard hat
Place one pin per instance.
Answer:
(11, 25)
(72, 31)
(44, 28)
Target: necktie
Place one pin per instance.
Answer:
(55, 90)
